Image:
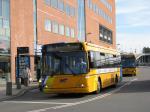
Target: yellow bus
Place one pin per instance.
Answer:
(78, 68)
(128, 64)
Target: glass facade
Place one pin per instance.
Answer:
(0, 8)
(4, 40)
(4, 27)
(81, 20)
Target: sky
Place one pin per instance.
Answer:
(133, 25)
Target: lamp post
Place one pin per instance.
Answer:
(118, 47)
(85, 20)
(8, 79)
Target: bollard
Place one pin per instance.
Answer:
(26, 82)
(8, 85)
(18, 82)
(9, 88)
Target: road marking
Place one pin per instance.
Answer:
(85, 101)
(30, 102)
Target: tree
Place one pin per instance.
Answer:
(146, 50)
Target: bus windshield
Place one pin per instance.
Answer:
(65, 63)
(128, 62)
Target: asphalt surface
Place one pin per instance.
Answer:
(132, 95)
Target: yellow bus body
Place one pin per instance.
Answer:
(79, 84)
(131, 71)
(85, 83)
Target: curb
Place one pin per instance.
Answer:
(20, 93)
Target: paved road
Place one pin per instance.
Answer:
(132, 95)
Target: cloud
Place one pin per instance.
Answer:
(128, 10)
(133, 24)
(132, 6)
(134, 13)
(131, 42)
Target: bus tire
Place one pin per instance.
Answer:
(40, 88)
(99, 87)
(134, 75)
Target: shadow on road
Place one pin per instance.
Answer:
(35, 95)
(66, 96)
(137, 87)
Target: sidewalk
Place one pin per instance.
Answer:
(16, 92)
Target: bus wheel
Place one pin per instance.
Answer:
(134, 75)
(40, 88)
(99, 87)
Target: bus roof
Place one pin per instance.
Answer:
(86, 46)
(129, 55)
(94, 47)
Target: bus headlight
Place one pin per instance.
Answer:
(82, 85)
(40, 81)
(87, 77)
(46, 86)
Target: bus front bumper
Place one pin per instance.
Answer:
(63, 91)
(129, 72)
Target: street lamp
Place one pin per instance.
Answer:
(85, 20)
(118, 47)
(8, 79)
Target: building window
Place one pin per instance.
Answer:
(67, 29)
(1, 23)
(72, 11)
(7, 32)
(61, 29)
(54, 3)
(89, 1)
(97, 10)
(105, 34)
(107, 5)
(55, 27)
(1, 32)
(91, 5)
(48, 2)
(67, 9)
(48, 25)
(61, 5)
(0, 8)
(5, 23)
(4, 26)
(72, 33)
(5, 9)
